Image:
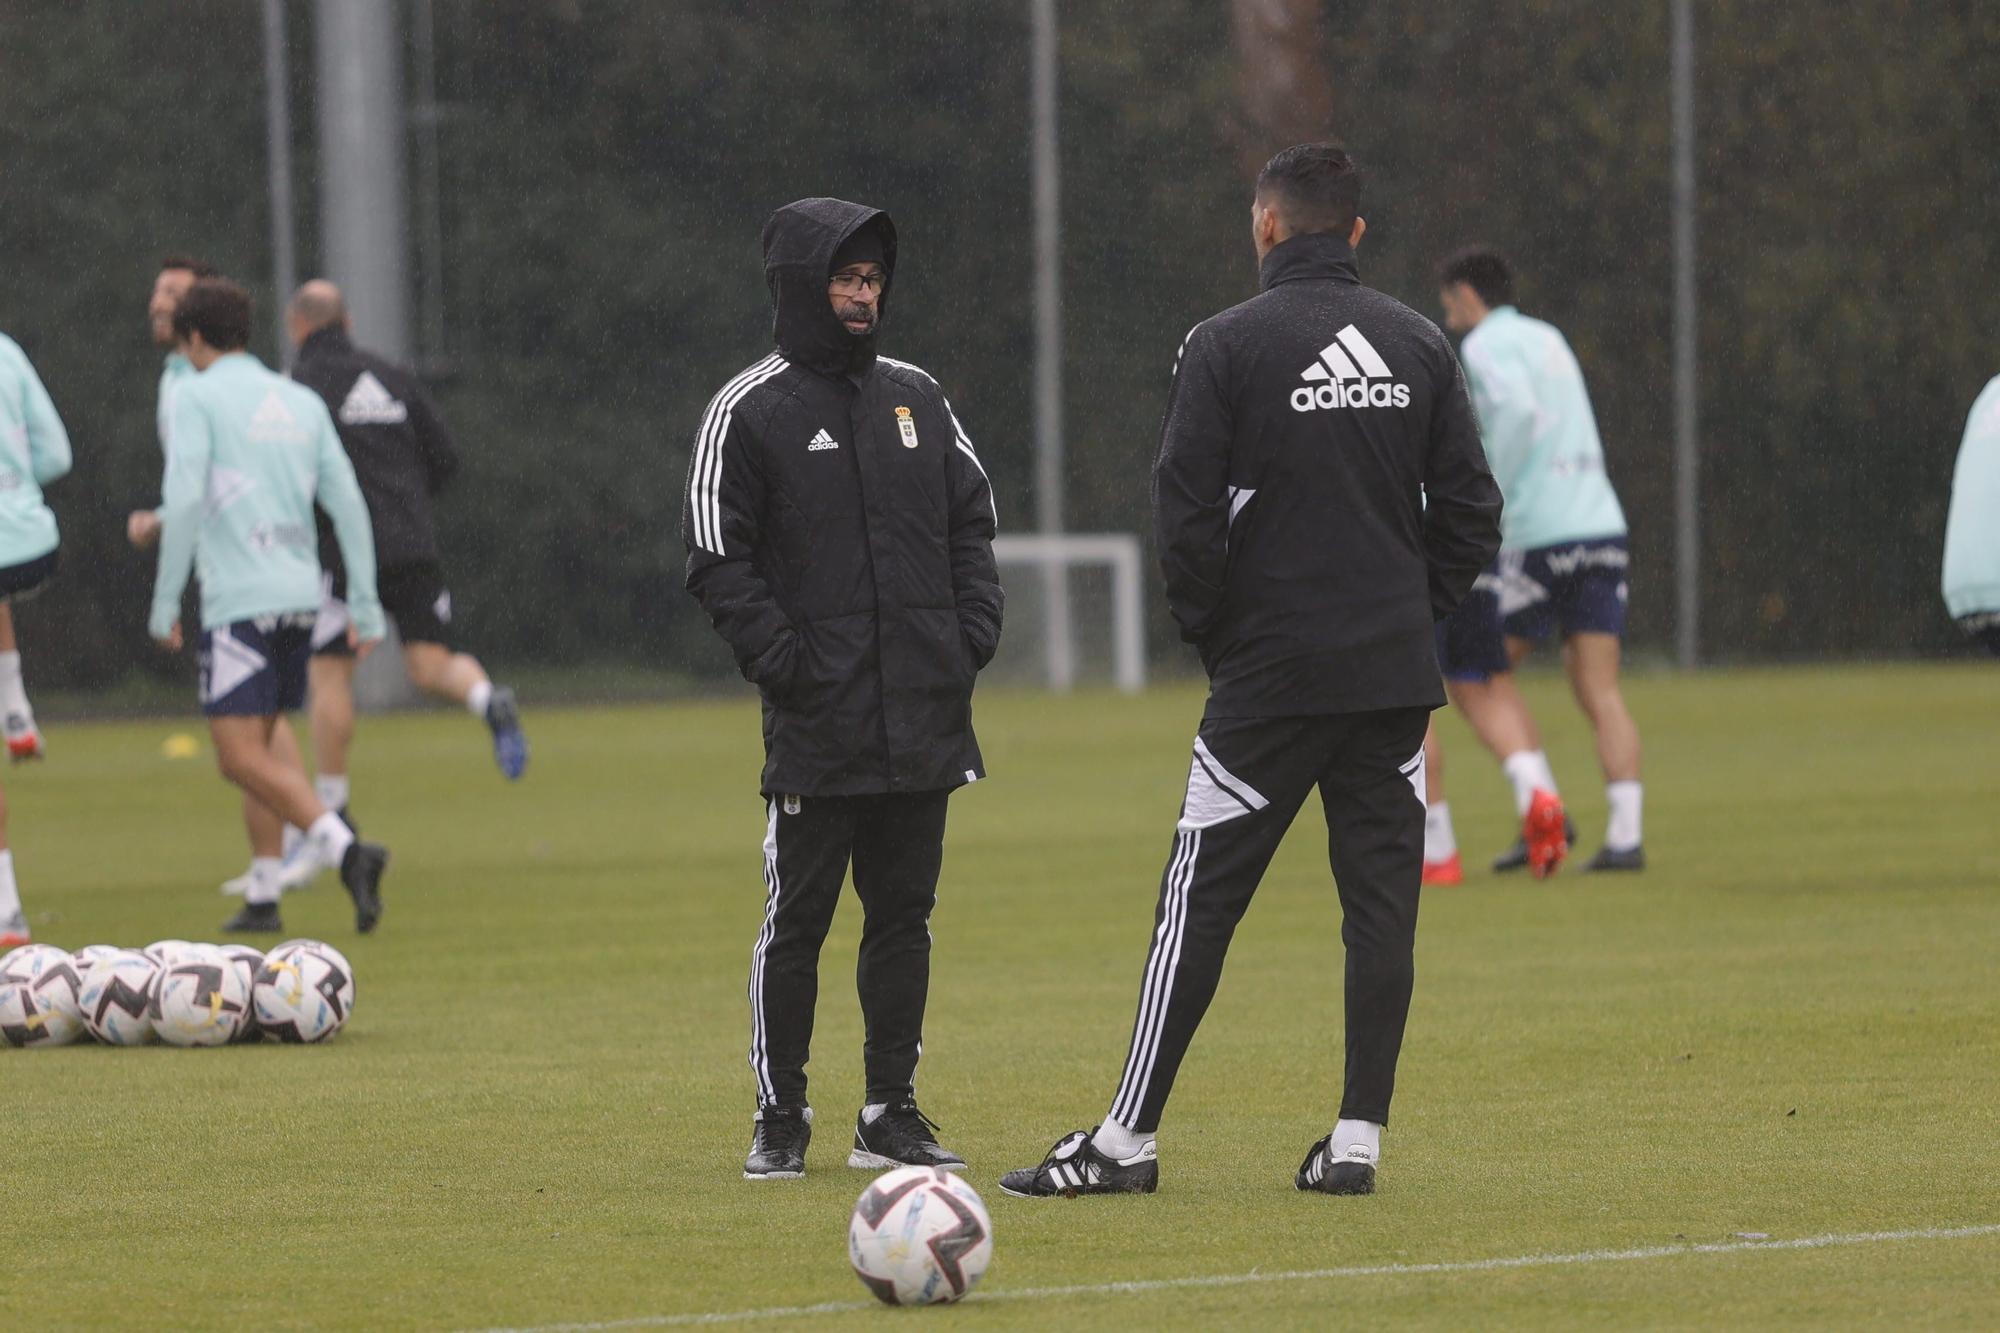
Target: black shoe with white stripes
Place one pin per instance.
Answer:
(900, 1136)
(778, 1145)
(1074, 1166)
(1352, 1173)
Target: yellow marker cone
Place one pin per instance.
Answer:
(180, 745)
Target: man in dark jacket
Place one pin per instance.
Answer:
(839, 532)
(403, 456)
(1319, 499)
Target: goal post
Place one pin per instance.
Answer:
(1054, 555)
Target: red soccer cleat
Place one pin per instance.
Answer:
(1446, 872)
(1544, 834)
(24, 739)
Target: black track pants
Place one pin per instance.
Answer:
(896, 844)
(1248, 779)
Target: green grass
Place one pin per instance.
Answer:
(1791, 1026)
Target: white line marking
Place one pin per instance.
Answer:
(1304, 1275)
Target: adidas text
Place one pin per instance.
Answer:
(821, 442)
(1348, 373)
(1307, 398)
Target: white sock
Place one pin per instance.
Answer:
(1528, 771)
(332, 789)
(477, 698)
(293, 836)
(1440, 843)
(1117, 1142)
(13, 693)
(1350, 1135)
(10, 893)
(263, 885)
(330, 839)
(873, 1112)
(1622, 833)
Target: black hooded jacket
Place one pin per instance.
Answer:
(1321, 495)
(839, 532)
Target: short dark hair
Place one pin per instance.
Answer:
(201, 268)
(1313, 187)
(1481, 268)
(218, 310)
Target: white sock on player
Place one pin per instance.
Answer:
(1117, 1142)
(332, 790)
(1622, 833)
(1351, 1134)
(1440, 843)
(263, 885)
(477, 698)
(13, 692)
(10, 893)
(293, 836)
(1528, 771)
(330, 840)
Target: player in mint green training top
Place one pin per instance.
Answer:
(251, 454)
(1972, 528)
(34, 451)
(1562, 570)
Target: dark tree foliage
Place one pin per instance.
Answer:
(606, 168)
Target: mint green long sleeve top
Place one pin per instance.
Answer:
(34, 451)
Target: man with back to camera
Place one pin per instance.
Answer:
(403, 455)
(252, 454)
(1972, 526)
(1564, 566)
(1319, 501)
(34, 451)
(839, 532)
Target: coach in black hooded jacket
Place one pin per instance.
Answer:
(839, 531)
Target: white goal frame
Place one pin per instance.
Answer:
(1055, 553)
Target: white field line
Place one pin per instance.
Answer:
(1303, 1275)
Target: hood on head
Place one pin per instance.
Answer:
(799, 243)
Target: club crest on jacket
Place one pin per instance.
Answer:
(907, 426)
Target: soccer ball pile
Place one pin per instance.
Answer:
(180, 993)
(919, 1236)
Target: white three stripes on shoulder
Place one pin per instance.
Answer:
(705, 469)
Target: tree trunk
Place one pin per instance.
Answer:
(1284, 91)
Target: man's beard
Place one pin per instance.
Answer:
(854, 310)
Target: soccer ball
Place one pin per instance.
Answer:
(117, 998)
(249, 962)
(90, 953)
(200, 999)
(38, 997)
(919, 1236)
(165, 952)
(304, 992)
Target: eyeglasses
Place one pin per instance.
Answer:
(850, 284)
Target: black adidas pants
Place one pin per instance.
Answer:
(896, 845)
(1248, 779)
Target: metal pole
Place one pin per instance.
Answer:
(1045, 176)
(364, 167)
(1687, 441)
(423, 41)
(278, 145)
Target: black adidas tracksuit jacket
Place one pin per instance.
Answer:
(839, 532)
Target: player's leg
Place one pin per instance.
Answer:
(331, 675)
(13, 921)
(265, 826)
(1442, 865)
(898, 852)
(1246, 782)
(807, 844)
(416, 595)
(17, 717)
(1592, 661)
(1372, 793)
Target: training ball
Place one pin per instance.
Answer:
(249, 962)
(304, 992)
(200, 999)
(919, 1236)
(90, 953)
(164, 952)
(117, 998)
(39, 984)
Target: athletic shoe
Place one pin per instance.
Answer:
(1351, 1173)
(778, 1144)
(14, 931)
(1516, 857)
(255, 919)
(24, 738)
(510, 747)
(361, 871)
(1445, 873)
(901, 1136)
(1546, 832)
(1632, 858)
(301, 867)
(1074, 1166)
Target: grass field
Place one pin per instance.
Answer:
(1788, 1028)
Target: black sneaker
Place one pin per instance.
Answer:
(255, 919)
(1074, 1166)
(1516, 857)
(510, 746)
(778, 1144)
(361, 871)
(1322, 1171)
(1632, 858)
(901, 1136)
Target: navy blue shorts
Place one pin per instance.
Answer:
(1573, 588)
(256, 668)
(1983, 628)
(1470, 644)
(22, 581)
